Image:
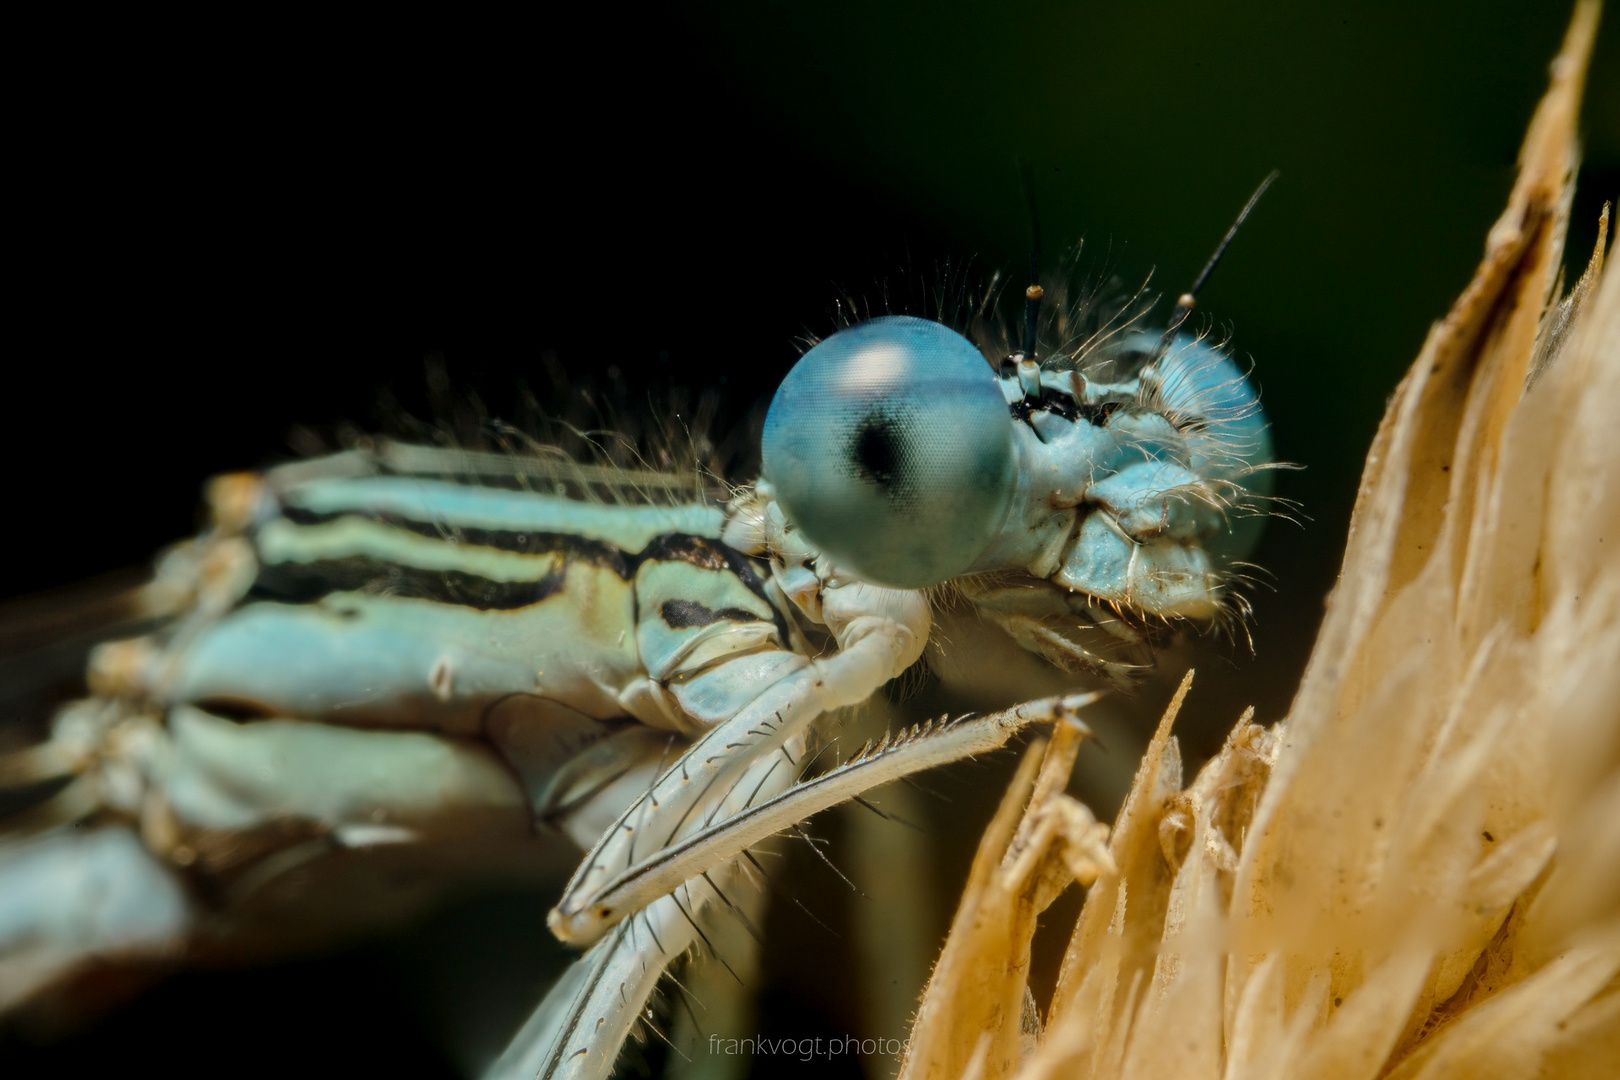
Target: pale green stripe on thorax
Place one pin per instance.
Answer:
(281, 541)
(629, 528)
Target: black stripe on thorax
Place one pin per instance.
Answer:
(306, 583)
(292, 582)
(685, 614)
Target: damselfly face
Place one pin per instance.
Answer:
(1125, 477)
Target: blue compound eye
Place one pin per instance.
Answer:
(890, 446)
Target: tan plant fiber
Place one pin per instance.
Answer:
(1417, 874)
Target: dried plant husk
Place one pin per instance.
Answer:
(1417, 874)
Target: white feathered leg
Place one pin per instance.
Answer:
(578, 1030)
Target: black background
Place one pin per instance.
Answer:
(221, 230)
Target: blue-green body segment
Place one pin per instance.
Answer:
(377, 597)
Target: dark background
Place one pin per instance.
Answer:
(222, 231)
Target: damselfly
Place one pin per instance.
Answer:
(403, 656)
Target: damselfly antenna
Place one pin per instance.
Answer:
(1189, 299)
(1033, 294)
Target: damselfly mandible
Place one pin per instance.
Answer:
(384, 655)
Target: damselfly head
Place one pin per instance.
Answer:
(900, 452)
(1117, 462)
